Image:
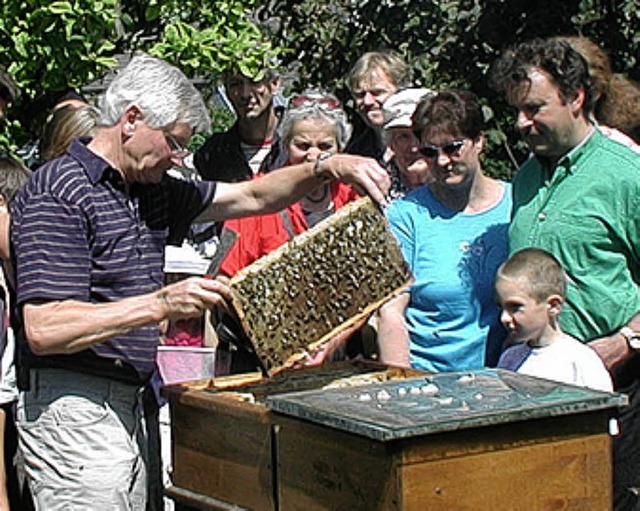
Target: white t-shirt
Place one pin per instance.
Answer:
(255, 154)
(566, 360)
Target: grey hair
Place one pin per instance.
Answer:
(314, 108)
(163, 93)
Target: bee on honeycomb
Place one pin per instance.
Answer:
(321, 282)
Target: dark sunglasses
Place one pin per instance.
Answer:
(323, 101)
(452, 148)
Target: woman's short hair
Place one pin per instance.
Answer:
(63, 125)
(315, 105)
(457, 112)
(13, 176)
(163, 93)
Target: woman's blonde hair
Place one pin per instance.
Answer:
(63, 125)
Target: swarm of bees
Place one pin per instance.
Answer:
(321, 282)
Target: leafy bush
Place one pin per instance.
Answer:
(53, 46)
(49, 47)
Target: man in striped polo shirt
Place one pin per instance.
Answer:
(88, 234)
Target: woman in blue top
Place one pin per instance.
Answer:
(453, 233)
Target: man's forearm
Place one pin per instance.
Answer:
(70, 326)
(614, 349)
(276, 190)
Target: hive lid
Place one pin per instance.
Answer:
(298, 297)
(442, 402)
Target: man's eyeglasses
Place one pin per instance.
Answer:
(314, 99)
(452, 148)
(177, 149)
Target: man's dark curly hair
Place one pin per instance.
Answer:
(456, 112)
(566, 67)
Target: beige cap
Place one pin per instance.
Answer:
(399, 107)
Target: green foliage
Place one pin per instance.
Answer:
(221, 118)
(64, 44)
(53, 46)
(616, 25)
(50, 46)
(223, 38)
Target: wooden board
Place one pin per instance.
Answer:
(571, 474)
(223, 449)
(322, 282)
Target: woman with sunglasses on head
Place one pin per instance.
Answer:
(313, 129)
(453, 233)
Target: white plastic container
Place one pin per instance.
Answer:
(179, 364)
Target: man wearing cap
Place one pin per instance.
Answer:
(407, 167)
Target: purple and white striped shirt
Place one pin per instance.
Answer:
(77, 234)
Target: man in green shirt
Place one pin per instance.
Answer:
(578, 197)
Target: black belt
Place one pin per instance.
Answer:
(84, 362)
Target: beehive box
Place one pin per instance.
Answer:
(323, 281)
(356, 436)
(224, 437)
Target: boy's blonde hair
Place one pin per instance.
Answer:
(542, 272)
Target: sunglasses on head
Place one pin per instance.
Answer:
(452, 148)
(323, 101)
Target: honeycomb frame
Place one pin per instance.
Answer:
(301, 295)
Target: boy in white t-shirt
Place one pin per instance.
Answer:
(531, 288)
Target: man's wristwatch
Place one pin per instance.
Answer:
(632, 337)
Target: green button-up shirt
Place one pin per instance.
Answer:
(586, 212)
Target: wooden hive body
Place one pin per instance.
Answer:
(321, 282)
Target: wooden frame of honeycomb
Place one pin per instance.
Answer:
(299, 296)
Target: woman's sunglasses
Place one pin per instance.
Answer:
(452, 148)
